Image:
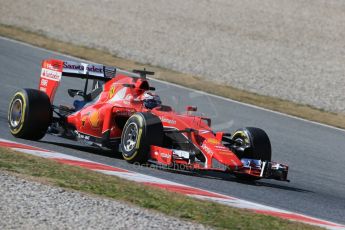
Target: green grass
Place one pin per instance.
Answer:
(173, 204)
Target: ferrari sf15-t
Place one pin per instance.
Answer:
(121, 112)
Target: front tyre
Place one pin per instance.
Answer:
(140, 131)
(252, 143)
(29, 114)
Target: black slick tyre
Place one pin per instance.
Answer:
(140, 131)
(254, 144)
(29, 114)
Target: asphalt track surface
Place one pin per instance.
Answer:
(315, 153)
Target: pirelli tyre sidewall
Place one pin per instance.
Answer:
(140, 131)
(258, 142)
(29, 114)
(258, 146)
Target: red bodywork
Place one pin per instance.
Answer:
(120, 98)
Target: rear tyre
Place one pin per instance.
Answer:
(29, 114)
(140, 131)
(253, 143)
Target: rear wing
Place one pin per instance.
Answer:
(90, 71)
(53, 70)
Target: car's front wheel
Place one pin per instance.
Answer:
(252, 143)
(140, 131)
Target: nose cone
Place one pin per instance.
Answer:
(222, 157)
(226, 158)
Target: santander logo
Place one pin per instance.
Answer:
(167, 120)
(51, 74)
(90, 68)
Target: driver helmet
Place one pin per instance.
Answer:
(151, 100)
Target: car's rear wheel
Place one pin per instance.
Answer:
(252, 143)
(29, 114)
(140, 131)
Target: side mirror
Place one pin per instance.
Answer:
(191, 108)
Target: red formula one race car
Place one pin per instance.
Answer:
(120, 112)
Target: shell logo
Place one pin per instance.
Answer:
(94, 119)
(83, 120)
(213, 141)
(111, 91)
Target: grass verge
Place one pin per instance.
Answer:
(208, 213)
(194, 82)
